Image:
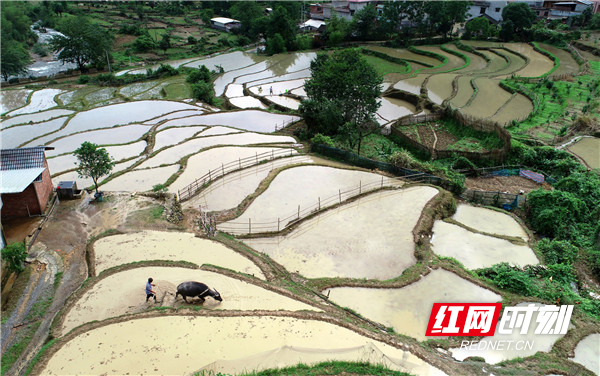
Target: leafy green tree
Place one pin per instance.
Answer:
(144, 43)
(343, 91)
(363, 23)
(15, 58)
(251, 15)
(14, 256)
(94, 162)
(165, 43)
(336, 32)
(275, 45)
(82, 43)
(389, 22)
(198, 75)
(204, 91)
(280, 22)
(521, 18)
(15, 24)
(477, 28)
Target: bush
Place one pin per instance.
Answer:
(83, 79)
(192, 40)
(507, 278)
(224, 41)
(556, 213)
(40, 49)
(557, 251)
(203, 91)
(144, 43)
(201, 74)
(321, 139)
(131, 29)
(13, 256)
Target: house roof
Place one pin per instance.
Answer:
(313, 23)
(22, 158)
(15, 181)
(223, 20)
(20, 167)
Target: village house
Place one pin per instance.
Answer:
(25, 184)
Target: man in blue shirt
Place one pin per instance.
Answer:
(149, 292)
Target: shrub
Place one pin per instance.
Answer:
(507, 278)
(143, 43)
(555, 213)
(321, 139)
(83, 79)
(192, 40)
(14, 256)
(201, 74)
(203, 91)
(557, 251)
(40, 49)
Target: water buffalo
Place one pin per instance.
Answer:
(198, 289)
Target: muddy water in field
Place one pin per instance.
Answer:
(247, 102)
(234, 90)
(496, 63)
(141, 180)
(407, 309)
(175, 153)
(174, 136)
(278, 87)
(518, 108)
(411, 85)
(228, 192)
(439, 87)
(452, 63)
(540, 343)
(40, 100)
(15, 136)
(331, 244)
(405, 54)
(174, 115)
(230, 345)
(392, 108)
(157, 245)
(119, 294)
(34, 118)
(465, 91)
(229, 61)
(287, 102)
(122, 113)
(488, 99)
(588, 149)
(69, 162)
(227, 78)
(251, 120)
(476, 63)
(12, 99)
(119, 135)
(516, 63)
(213, 159)
(303, 186)
(475, 250)
(568, 65)
(587, 353)
(489, 221)
(538, 63)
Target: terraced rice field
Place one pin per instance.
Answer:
(439, 87)
(568, 65)
(11, 99)
(464, 93)
(538, 64)
(482, 106)
(587, 352)
(588, 149)
(454, 62)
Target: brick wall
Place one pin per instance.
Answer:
(34, 197)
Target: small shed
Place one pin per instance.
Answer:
(25, 184)
(224, 24)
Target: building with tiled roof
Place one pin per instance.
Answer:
(25, 184)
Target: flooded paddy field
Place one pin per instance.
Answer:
(173, 246)
(141, 180)
(538, 64)
(220, 344)
(489, 221)
(492, 356)
(172, 136)
(482, 106)
(406, 54)
(326, 245)
(568, 65)
(496, 63)
(39, 100)
(393, 108)
(517, 108)
(475, 250)
(412, 84)
(303, 186)
(18, 135)
(33, 118)
(454, 61)
(229, 191)
(464, 93)
(476, 62)
(246, 102)
(587, 352)
(12, 99)
(439, 87)
(588, 149)
(115, 295)
(407, 309)
(516, 63)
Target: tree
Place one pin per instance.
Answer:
(280, 22)
(343, 94)
(82, 43)
(363, 23)
(165, 43)
(94, 162)
(478, 28)
(275, 45)
(14, 256)
(520, 15)
(15, 58)
(337, 31)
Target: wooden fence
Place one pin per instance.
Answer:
(498, 199)
(200, 183)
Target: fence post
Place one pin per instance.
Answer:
(249, 226)
(382, 182)
(223, 169)
(360, 187)
(240, 162)
(319, 203)
(298, 211)
(278, 222)
(340, 193)
(272, 154)
(209, 176)
(256, 153)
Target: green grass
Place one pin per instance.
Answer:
(178, 91)
(384, 67)
(12, 353)
(325, 368)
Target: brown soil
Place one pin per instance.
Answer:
(124, 39)
(510, 184)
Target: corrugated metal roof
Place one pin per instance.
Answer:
(15, 181)
(223, 20)
(23, 158)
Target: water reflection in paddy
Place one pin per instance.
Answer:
(234, 90)
(227, 78)
(174, 136)
(15, 136)
(246, 102)
(34, 118)
(392, 108)
(141, 180)
(228, 62)
(587, 353)
(284, 101)
(39, 101)
(11, 99)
